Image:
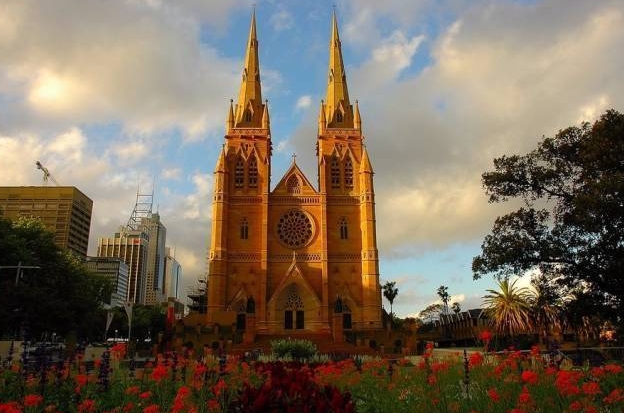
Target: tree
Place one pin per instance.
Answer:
(456, 307)
(390, 291)
(508, 309)
(545, 307)
(59, 296)
(445, 297)
(571, 225)
(431, 312)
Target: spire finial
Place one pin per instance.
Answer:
(338, 110)
(250, 91)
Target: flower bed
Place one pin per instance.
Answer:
(511, 383)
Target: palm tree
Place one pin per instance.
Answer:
(390, 291)
(509, 310)
(546, 308)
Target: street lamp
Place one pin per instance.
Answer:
(116, 335)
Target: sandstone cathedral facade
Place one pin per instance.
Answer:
(295, 258)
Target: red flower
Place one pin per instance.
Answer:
(152, 408)
(525, 396)
(613, 368)
(87, 406)
(219, 387)
(575, 406)
(591, 388)
(159, 373)
(493, 394)
(213, 405)
(485, 336)
(132, 390)
(617, 395)
(81, 379)
(529, 376)
(145, 395)
(475, 359)
(10, 407)
(32, 400)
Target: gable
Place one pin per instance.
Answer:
(294, 183)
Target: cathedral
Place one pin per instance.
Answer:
(295, 258)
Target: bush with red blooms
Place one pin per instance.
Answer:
(291, 388)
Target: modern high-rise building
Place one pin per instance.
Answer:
(155, 264)
(294, 257)
(173, 276)
(115, 269)
(64, 210)
(132, 248)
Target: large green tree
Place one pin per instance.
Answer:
(571, 223)
(59, 295)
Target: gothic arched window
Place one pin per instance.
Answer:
(244, 229)
(253, 173)
(239, 173)
(344, 232)
(293, 186)
(335, 172)
(247, 115)
(339, 116)
(348, 173)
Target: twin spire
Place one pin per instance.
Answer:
(336, 110)
(250, 110)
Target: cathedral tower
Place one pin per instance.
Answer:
(295, 258)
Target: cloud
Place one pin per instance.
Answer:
(153, 74)
(281, 20)
(303, 102)
(172, 173)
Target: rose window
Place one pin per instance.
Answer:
(295, 229)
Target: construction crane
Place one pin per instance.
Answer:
(46, 174)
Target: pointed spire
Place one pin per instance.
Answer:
(221, 161)
(266, 122)
(357, 121)
(230, 120)
(365, 165)
(250, 96)
(322, 122)
(338, 109)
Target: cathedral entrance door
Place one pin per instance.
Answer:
(288, 320)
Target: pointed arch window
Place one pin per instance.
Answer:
(335, 172)
(252, 174)
(248, 115)
(244, 229)
(239, 173)
(348, 173)
(344, 229)
(293, 186)
(339, 116)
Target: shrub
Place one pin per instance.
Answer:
(293, 349)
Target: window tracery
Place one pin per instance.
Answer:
(335, 172)
(348, 173)
(239, 173)
(252, 176)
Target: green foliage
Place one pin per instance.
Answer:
(390, 291)
(293, 349)
(59, 296)
(571, 227)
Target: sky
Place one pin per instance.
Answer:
(121, 96)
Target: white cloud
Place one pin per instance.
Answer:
(303, 102)
(282, 20)
(72, 70)
(171, 173)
